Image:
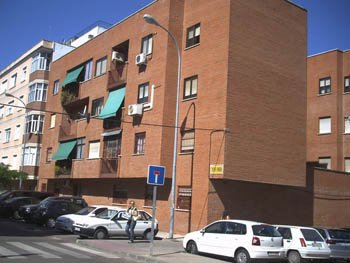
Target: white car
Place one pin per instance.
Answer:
(65, 222)
(112, 223)
(240, 239)
(303, 243)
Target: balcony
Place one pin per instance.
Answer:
(63, 169)
(68, 130)
(109, 167)
(117, 75)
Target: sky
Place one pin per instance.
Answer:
(24, 23)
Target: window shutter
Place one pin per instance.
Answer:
(347, 165)
(325, 125)
(94, 151)
(326, 160)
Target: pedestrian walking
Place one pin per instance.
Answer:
(132, 218)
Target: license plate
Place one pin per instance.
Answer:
(77, 229)
(316, 245)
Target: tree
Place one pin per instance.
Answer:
(7, 176)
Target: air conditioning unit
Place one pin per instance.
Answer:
(141, 59)
(135, 109)
(117, 57)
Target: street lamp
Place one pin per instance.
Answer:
(150, 19)
(24, 138)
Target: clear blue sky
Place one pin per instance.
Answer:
(23, 23)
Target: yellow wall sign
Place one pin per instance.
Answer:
(216, 169)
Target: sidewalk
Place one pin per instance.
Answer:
(164, 250)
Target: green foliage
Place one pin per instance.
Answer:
(7, 176)
(66, 97)
(60, 170)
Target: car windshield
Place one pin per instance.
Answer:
(265, 231)
(311, 235)
(107, 214)
(339, 234)
(85, 211)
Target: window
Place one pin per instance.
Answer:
(325, 160)
(37, 92)
(184, 197)
(193, 35)
(1, 112)
(53, 121)
(111, 147)
(120, 196)
(347, 165)
(48, 154)
(3, 86)
(347, 84)
(140, 139)
(80, 148)
(10, 108)
(88, 70)
(56, 87)
(235, 228)
(34, 123)
(5, 160)
(13, 81)
(31, 156)
(94, 149)
(17, 132)
(143, 93)
(40, 62)
(190, 87)
(14, 162)
(285, 232)
(325, 86)
(187, 141)
(149, 195)
(347, 124)
(7, 135)
(101, 66)
(24, 74)
(325, 125)
(97, 107)
(146, 45)
(216, 228)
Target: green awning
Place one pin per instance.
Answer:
(64, 150)
(115, 99)
(72, 76)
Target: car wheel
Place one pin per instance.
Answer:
(50, 223)
(100, 234)
(294, 257)
(16, 215)
(242, 256)
(147, 235)
(192, 247)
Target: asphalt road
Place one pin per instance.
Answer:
(28, 243)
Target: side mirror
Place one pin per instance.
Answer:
(202, 231)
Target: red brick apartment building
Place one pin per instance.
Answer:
(329, 109)
(242, 115)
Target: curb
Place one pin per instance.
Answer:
(123, 254)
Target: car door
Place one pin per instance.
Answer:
(211, 239)
(287, 236)
(118, 224)
(145, 222)
(234, 236)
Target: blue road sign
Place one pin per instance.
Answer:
(156, 175)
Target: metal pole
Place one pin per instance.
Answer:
(153, 218)
(151, 20)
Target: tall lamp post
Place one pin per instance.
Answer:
(149, 19)
(24, 138)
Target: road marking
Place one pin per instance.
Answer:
(9, 254)
(33, 250)
(61, 250)
(89, 250)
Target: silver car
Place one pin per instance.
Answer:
(338, 241)
(108, 224)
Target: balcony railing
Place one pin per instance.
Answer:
(117, 75)
(68, 130)
(109, 167)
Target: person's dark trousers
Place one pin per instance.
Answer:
(129, 229)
